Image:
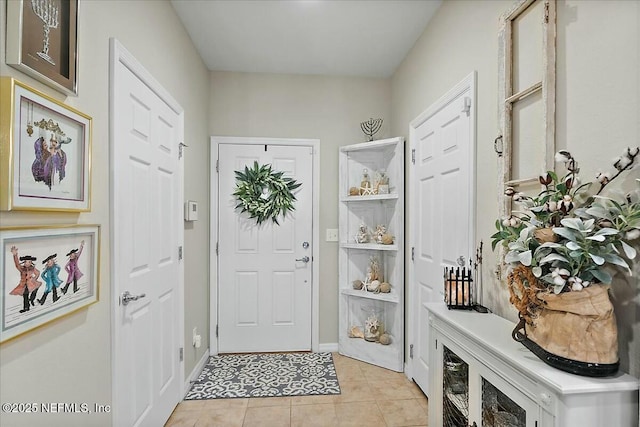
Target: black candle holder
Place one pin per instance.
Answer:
(458, 288)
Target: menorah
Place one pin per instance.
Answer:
(48, 13)
(371, 127)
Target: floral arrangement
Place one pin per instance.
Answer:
(567, 236)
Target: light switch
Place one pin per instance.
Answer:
(332, 234)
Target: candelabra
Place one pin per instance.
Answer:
(48, 14)
(371, 127)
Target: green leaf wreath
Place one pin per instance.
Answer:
(263, 193)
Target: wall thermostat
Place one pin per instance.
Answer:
(190, 210)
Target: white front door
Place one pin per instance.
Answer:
(146, 179)
(442, 221)
(265, 271)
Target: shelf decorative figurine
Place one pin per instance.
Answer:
(557, 250)
(381, 230)
(374, 273)
(363, 234)
(373, 326)
(365, 185)
(382, 182)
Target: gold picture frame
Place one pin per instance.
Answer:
(42, 41)
(45, 152)
(37, 285)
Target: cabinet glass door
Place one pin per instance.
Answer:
(498, 410)
(455, 390)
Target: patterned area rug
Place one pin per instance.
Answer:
(266, 375)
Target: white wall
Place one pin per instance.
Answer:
(598, 104)
(69, 359)
(288, 106)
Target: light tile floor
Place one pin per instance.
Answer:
(371, 397)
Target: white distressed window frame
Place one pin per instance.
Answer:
(507, 99)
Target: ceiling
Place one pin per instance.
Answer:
(325, 37)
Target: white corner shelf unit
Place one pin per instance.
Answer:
(380, 208)
(480, 376)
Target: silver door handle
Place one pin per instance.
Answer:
(126, 297)
(303, 259)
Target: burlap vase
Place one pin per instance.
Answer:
(572, 331)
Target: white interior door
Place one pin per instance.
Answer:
(265, 272)
(147, 180)
(442, 220)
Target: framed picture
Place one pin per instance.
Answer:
(47, 272)
(42, 41)
(45, 152)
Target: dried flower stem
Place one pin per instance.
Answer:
(632, 158)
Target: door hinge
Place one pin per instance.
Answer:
(466, 107)
(411, 351)
(436, 344)
(546, 12)
(179, 253)
(413, 156)
(217, 252)
(216, 331)
(217, 165)
(413, 253)
(181, 146)
(181, 354)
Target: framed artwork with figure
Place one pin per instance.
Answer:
(42, 41)
(45, 152)
(47, 272)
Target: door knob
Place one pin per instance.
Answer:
(126, 297)
(304, 259)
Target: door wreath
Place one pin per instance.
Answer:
(264, 193)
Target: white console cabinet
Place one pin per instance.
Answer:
(479, 376)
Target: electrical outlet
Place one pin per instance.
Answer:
(332, 235)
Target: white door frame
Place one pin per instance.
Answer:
(315, 220)
(467, 84)
(120, 56)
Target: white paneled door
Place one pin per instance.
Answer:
(147, 127)
(442, 222)
(265, 271)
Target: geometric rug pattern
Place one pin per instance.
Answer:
(266, 375)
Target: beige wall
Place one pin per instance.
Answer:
(69, 360)
(326, 108)
(598, 100)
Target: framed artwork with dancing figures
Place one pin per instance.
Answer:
(47, 272)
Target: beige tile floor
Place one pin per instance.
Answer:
(371, 397)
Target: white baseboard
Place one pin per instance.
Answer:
(196, 371)
(330, 347)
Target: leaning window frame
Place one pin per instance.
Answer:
(507, 98)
